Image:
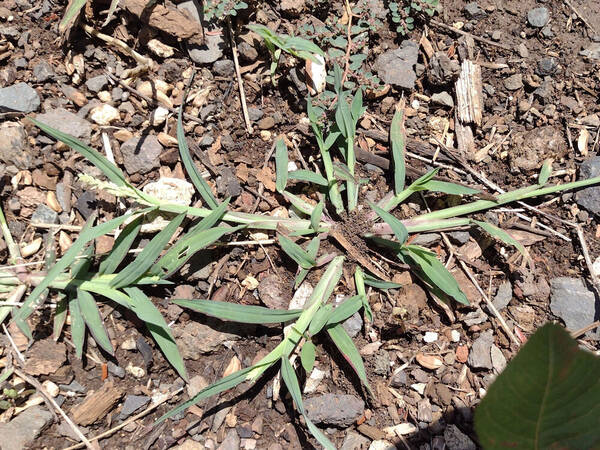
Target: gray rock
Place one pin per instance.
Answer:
(73, 386)
(538, 17)
(496, 35)
(352, 324)
(63, 194)
(43, 214)
(475, 317)
(20, 63)
(231, 441)
(457, 440)
(24, 428)
(381, 364)
(208, 53)
(24, 39)
(19, 97)
(196, 339)
(547, 66)
(589, 197)
(140, 154)
(396, 67)
(115, 370)
(399, 379)
(547, 32)
(224, 67)
(425, 239)
(43, 72)
(480, 356)
(572, 301)
(67, 122)
(228, 184)
(248, 54)
(271, 293)
(206, 141)
(503, 296)
(255, 114)
(13, 145)
(498, 359)
(132, 404)
(96, 84)
(514, 82)
(86, 204)
(459, 237)
(473, 11)
(355, 441)
(592, 52)
(442, 69)
(338, 410)
(545, 90)
(523, 51)
(10, 32)
(443, 98)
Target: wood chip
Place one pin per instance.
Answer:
(45, 357)
(96, 404)
(430, 362)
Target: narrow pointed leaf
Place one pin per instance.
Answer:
(447, 188)
(212, 219)
(158, 328)
(77, 326)
(121, 247)
(320, 319)
(395, 224)
(503, 235)
(545, 172)
(345, 310)
(91, 316)
(346, 346)
(190, 167)
(315, 217)
(370, 280)
(398, 146)
(147, 256)
(281, 165)
(359, 281)
(307, 175)
(296, 252)
(239, 313)
(307, 356)
(60, 316)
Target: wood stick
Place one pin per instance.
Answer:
(476, 38)
(239, 77)
(84, 441)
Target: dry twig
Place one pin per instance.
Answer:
(239, 77)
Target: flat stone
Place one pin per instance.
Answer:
(96, 84)
(503, 296)
(396, 67)
(272, 294)
(457, 440)
(24, 428)
(196, 339)
(68, 123)
(340, 410)
(13, 145)
(589, 197)
(573, 302)
(208, 53)
(141, 154)
(255, 114)
(538, 17)
(248, 54)
(43, 72)
(459, 237)
(442, 69)
(514, 82)
(480, 354)
(426, 239)
(354, 441)
(43, 214)
(19, 97)
(443, 98)
(132, 404)
(224, 68)
(547, 66)
(231, 441)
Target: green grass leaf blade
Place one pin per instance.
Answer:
(503, 235)
(301, 205)
(395, 224)
(545, 172)
(359, 281)
(216, 388)
(315, 217)
(346, 346)
(209, 221)
(91, 316)
(147, 256)
(433, 271)
(201, 185)
(296, 252)
(158, 328)
(447, 188)
(239, 313)
(77, 326)
(319, 320)
(345, 309)
(71, 13)
(398, 146)
(379, 284)
(60, 316)
(185, 248)
(308, 355)
(87, 234)
(112, 172)
(121, 247)
(281, 165)
(291, 382)
(308, 176)
(302, 273)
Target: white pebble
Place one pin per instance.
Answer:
(430, 336)
(455, 335)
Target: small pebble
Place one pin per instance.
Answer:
(430, 336)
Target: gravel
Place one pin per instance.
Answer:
(13, 145)
(480, 354)
(67, 122)
(24, 428)
(538, 17)
(572, 301)
(140, 155)
(340, 410)
(96, 84)
(396, 67)
(589, 197)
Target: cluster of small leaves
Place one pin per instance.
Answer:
(220, 9)
(403, 14)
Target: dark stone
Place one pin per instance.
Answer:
(573, 302)
(43, 214)
(474, 11)
(96, 84)
(224, 68)
(86, 204)
(396, 67)
(43, 72)
(19, 97)
(589, 197)
(132, 404)
(547, 66)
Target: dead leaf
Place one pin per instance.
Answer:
(267, 177)
(430, 362)
(242, 172)
(45, 357)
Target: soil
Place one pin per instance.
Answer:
(520, 129)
